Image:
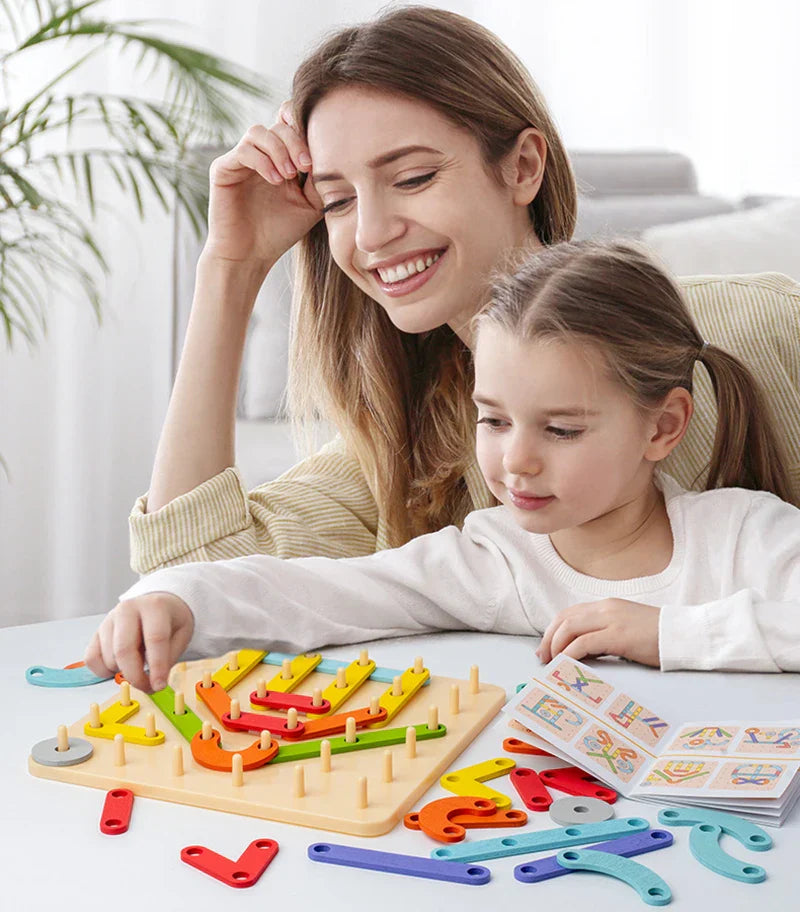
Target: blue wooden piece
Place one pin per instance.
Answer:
(750, 835)
(651, 888)
(42, 676)
(704, 845)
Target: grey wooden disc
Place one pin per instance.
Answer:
(577, 809)
(47, 753)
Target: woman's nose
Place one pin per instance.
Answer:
(378, 225)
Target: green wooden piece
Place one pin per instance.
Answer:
(365, 740)
(188, 724)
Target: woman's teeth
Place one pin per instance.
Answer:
(404, 270)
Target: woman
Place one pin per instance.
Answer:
(417, 153)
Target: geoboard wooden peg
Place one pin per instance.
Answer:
(233, 662)
(299, 781)
(265, 741)
(350, 730)
(419, 666)
(361, 792)
(325, 755)
(316, 699)
(286, 670)
(341, 678)
(237, 772)
(62, 738)
(207, 731)
(149, 725)
(454, 700)
(180, 703)
(363, 657)
(291, 719)
(236, 711)
(474, 681)
(411, 742)
(261, 688)
(374, 706)
(433, 717)
(124, 694)
(206, 682)
(94, 716)
(388, 772)
(177, 760)
(119, 750)
(397, 690)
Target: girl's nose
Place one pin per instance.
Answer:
(519, 458)
(378, 225)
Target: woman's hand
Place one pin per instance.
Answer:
(257, 208)
(154, 628)
(612, 626)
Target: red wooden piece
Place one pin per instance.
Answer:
(531, 789)
(243, 872)
(273, 699)
(116, 812)
(575, 781)
(515, 746)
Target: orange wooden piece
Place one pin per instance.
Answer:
(447, 819)
(331, 725)
(210, 753)
(515, 746)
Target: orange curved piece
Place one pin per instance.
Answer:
(210, 753)
(447, 819)
(515, 746)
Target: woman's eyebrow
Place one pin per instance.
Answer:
(386, 159)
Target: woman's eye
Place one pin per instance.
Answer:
(564, 433)
(417, 181)
(336, 204)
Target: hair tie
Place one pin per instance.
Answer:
(703, 347)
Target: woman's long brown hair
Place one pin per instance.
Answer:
(614, 296)
(402, 401)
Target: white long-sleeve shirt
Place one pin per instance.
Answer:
(730, 596)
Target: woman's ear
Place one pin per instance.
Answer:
(524, 165)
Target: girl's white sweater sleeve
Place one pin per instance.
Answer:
(756, 625)
(448, 580)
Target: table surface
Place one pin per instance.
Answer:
(53, 855)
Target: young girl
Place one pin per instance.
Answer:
(583, 378)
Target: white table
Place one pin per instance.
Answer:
(53, 856)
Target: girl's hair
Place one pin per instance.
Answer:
(614, 296)
(402, 401)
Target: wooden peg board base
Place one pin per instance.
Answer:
(330, 800)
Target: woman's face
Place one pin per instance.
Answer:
(413, 216)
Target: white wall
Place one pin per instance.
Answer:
(79, 419)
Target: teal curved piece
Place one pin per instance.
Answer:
(651, 888)
(750, 835)
(704, 845)
(42, 676)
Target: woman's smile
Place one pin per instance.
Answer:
(408, 275)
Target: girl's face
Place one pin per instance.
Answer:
(414, 219)
(559, 443)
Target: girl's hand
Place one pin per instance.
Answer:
(154, 628)
(257, 208)
(612, 626)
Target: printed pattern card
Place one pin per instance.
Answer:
(632, 747)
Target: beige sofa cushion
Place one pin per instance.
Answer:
(756, 318)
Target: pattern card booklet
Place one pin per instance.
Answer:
(749, 767)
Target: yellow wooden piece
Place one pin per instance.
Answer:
(410, 683)
(354, 677)
(301, 667)
(248, 659)
(467, 781)
(111, 719)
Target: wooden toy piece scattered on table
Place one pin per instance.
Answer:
(116, 815)
(575, 781)
(223, 735)
(638, 844)
(540, 841)
(704, 846)
(393, 863)
(74, 675)
(447, 819)
(243, 872)
(515, 746)
(62, 750)
(469, 780)
(579, 809)
(651, 888)
(530, 789)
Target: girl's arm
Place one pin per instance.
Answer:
(757, 626)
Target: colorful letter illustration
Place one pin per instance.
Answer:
(686, 773)
(770, 740)
(763, 776)
(619, 757)
(559, 718)
(578, 682)
(640, 722)
(706, 738)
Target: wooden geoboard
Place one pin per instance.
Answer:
(336, 799)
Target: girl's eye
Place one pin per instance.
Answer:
(336, 204)
(493, 423)
(563, 433)
(417, 181)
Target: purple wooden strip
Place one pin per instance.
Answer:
(392, 863)
(638, 844)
